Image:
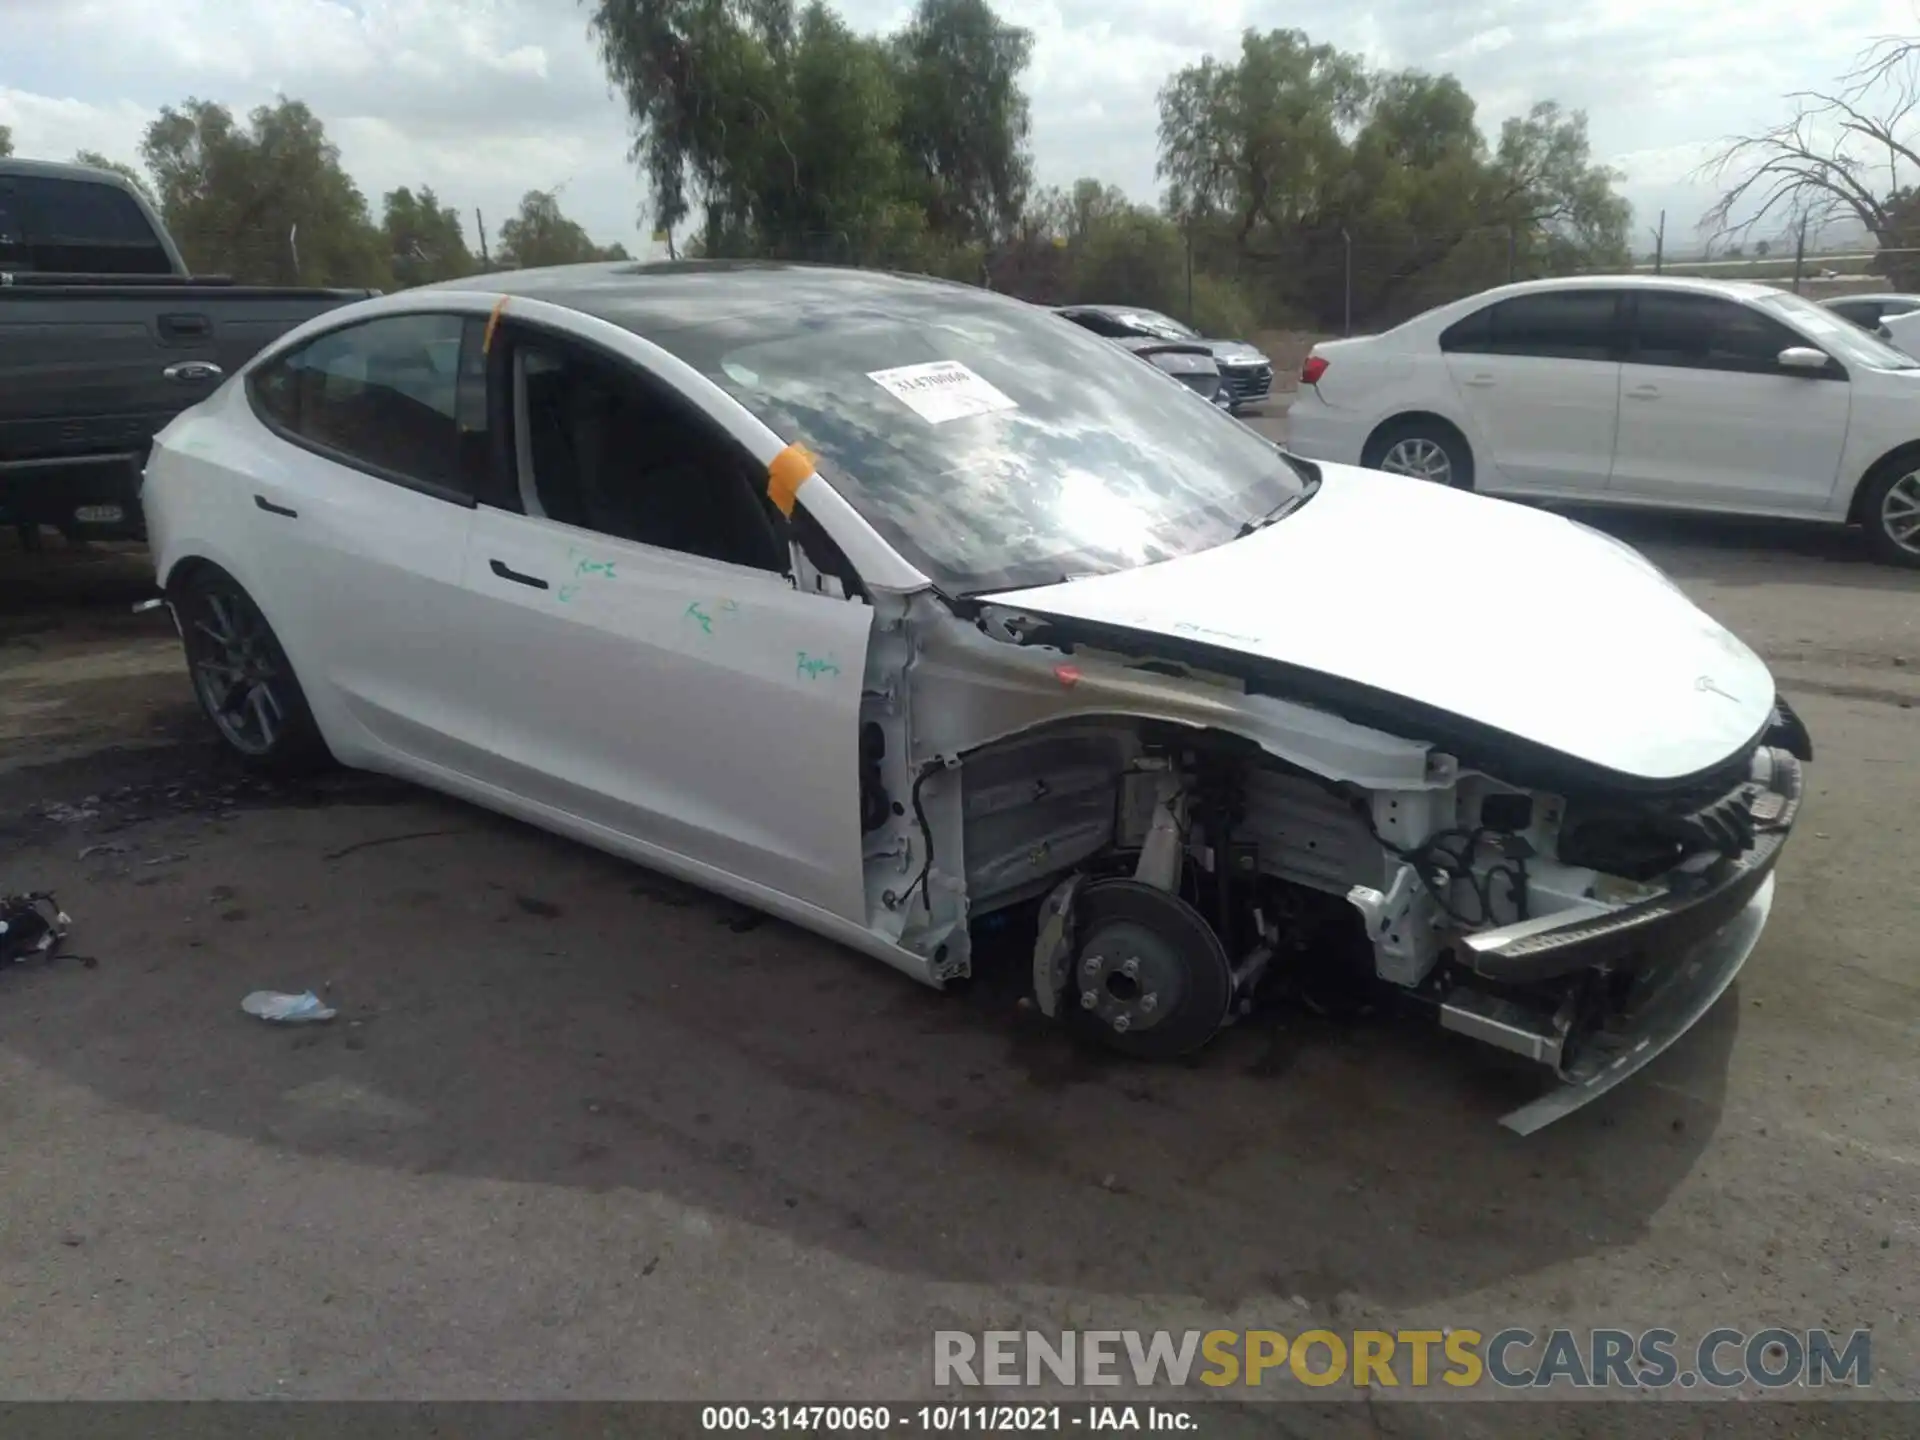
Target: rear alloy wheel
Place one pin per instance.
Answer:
(1421, 451)
(242, 677)
(1892, 515)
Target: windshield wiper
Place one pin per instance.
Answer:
(1310, 475)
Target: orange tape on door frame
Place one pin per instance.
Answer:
(786, 473)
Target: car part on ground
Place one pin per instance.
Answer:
(933, 611)
(1638, 391)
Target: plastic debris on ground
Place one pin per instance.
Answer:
(31, 924)
(281, 1009)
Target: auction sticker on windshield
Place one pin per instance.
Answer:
(942, 390)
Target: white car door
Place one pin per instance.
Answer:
(1710, 418)
(1539, 377)
(648, 664)
(359, 499)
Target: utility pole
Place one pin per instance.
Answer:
(1660, 244)
(1346, 243)
(1190, 320)
(1799, 253)
(480, 225)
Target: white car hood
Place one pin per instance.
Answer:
(1500, 615)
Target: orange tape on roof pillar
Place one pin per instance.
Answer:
(493, 323)
(786, 473)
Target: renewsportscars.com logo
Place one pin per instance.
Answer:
(1512, 1359)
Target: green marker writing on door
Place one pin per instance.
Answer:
(812, 667)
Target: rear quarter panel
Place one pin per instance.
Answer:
(191, 490)
(1367, 383)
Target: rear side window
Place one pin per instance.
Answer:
(1860, 312)
(1554, 324)
(76, 226)
(1099, 324)
(1704, 332)
(403, 396)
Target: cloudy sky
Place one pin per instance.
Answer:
(483, 99)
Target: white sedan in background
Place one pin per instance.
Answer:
(1644, 391)
(889, 605)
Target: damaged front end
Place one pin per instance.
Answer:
(1192, 834)
(1597, 987)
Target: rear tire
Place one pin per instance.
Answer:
(242, 678)
(1421, 450)
(1890, 513)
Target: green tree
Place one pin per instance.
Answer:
(964, 122)
(1548, 189)
(1314, 182)
(97, 161)
(425, 241)
(780, 131)
(539, 233)
(1261, 140)
(266, 201)
(6, 141)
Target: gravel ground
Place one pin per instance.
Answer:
(579, 1132)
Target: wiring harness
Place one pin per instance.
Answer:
(1440, 866)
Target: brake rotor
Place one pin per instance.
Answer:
(1149, 977)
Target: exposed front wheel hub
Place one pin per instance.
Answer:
(1151, 977)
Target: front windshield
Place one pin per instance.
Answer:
(1836, 335)
(1154, 323)
(991, 445)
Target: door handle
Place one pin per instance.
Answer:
(273, 509)
(192, 370)
(1479, 382)
(1644, 392)
(507, 572)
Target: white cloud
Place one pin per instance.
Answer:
(484, 99)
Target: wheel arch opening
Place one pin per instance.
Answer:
(1906, 454)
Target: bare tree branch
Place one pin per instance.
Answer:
(1812, 164)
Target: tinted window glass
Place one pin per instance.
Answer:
(404, 395)
(1152, 322)
(1708, 333)
(990, 444)
(1099, 324)
(604, 453)
(69, 212)
(13, 230)
(1472, 334)
(1558, 324)
(1847, 343)
(1860, 312)
(79, 226)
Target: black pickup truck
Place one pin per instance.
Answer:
(104, 338)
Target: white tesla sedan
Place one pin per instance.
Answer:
(886, 605)
(1657, 392)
